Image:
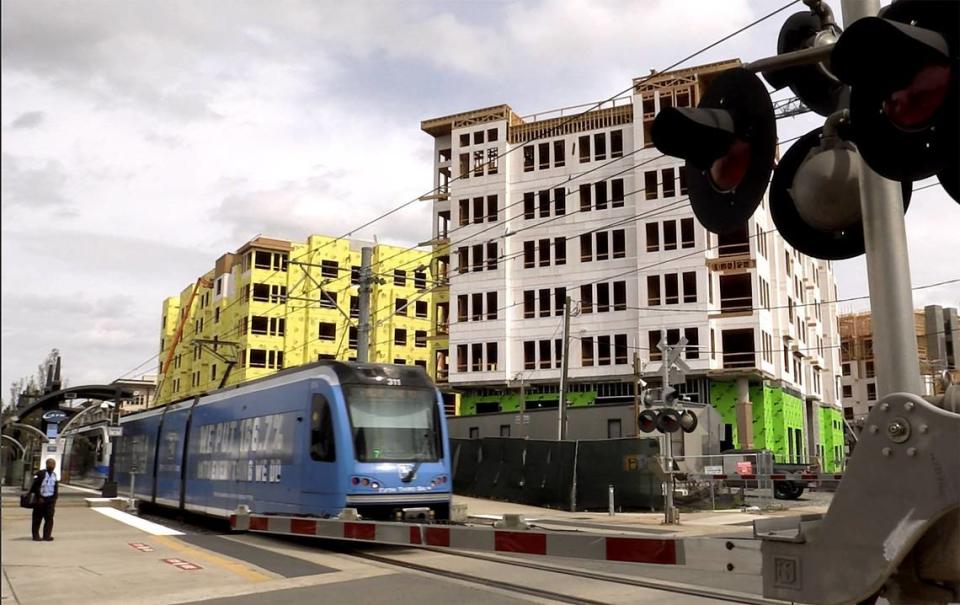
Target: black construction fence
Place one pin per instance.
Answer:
(569, 475)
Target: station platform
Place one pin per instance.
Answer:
(102, 555)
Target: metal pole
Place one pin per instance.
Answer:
(610, 500)
(363, 326)
(562, 408)
(523, 406)
(636, 393)
(888, 265)
(668, 513)
(109, 487)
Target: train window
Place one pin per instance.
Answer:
(321, 431)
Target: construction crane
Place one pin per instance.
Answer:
(202, 282)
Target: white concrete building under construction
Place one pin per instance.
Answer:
(529, 210)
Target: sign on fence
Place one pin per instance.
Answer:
(713, 470)
(744, 468)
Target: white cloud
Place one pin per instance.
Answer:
(152, 137)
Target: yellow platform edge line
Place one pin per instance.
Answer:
(198, 554)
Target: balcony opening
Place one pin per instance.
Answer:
(529, 304)
(586, 299)
(492, 256)
(492, 355)
(462, 308)
(478, 257)
(544, 206)
(530, 355)
(603, 350)
(477, 304)
(585, 201)
(443, 224)
(616, 193)
(600, 146)
(616, 143)
(544, 253)
(544, 346)
(735, 293)
(600, 195)
(603, 297)
(478, 210)
(586, 351)
(603, 247)
(738, 348)
(670, 235)
(476, 357)
(544, 296)
(543, 150)
(653, 237)
(734, 243)
(559, 201)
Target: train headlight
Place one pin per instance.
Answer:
(375, 485)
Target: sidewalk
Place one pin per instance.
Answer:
(691, 524)
(95, 559)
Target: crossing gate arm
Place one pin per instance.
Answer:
(893, 524)
(740, 557)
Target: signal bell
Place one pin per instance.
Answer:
(688, 421)
(903, 71)
(815, 197)
(729, 142)
(819, 89)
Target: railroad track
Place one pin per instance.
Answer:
(198, 524)
(694, 591)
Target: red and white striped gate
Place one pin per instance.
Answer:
(739, 556)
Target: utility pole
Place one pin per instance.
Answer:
(564, 365)
(366, 283)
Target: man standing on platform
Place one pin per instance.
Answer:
(46, 488)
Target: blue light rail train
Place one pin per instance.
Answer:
(309, 440)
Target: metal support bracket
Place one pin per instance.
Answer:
(902, 480)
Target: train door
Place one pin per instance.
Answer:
(323, 475)
(169, 458)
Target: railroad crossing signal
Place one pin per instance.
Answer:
(897, 74)
(668, 419)
(729, 142)
(902, 68)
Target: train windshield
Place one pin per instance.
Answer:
(393, 424)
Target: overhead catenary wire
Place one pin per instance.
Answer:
(573, 117)
(546, 134)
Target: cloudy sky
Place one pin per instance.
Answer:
(143, 139)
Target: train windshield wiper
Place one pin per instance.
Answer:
(420, 459)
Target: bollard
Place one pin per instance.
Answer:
(131, 507)
(610, 500)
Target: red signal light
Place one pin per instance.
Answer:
(728, 171)
(647, 421)
(668, 421)
(915, 106)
